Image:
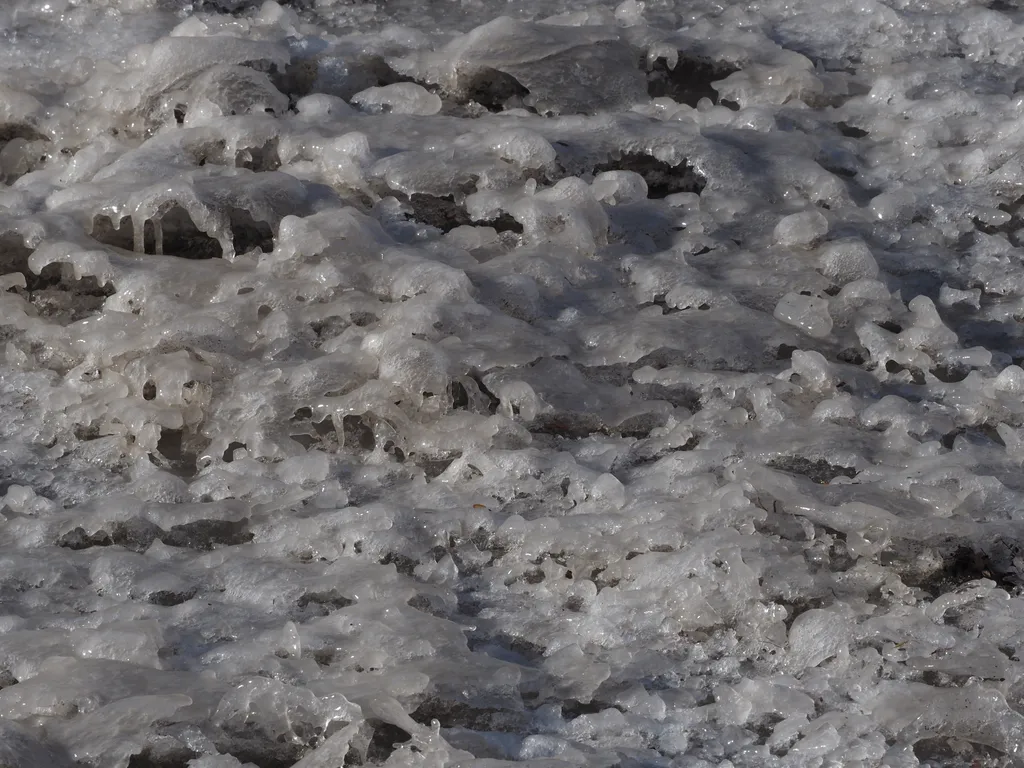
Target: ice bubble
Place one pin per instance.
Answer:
(889, 206)
(815, 636)
(839, 408)
(272, 13)
(175, 58)
(608, 489)
(949, 297)
(399, 98)
(801, 229)
(237, 90)
(523, 147)
(629, 12)
(814, 370)
(414, 366)
(1010, 379)
(619, 187)
(320, 106)
(928, 330)
(847, 260)
(808, 313)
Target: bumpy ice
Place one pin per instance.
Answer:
(567, 384)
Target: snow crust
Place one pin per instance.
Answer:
(568, 384)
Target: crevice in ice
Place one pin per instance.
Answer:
(382, 73)
(176, 235)
(138, 534)
(386, 738)
(520, 650)
(169, 598)
(22, 149)
(179, 450)
(950, 373)
(357, 433)
(983, 435)
(135, 534)
(55, 292)
(174, 757)
(940, 750)
(434, 466)
(252, 745)
(403, 563)
(851, 131)
(14, 255)
(247, 233)
(426, 605)
(7, 679)
(321, 434)
(446, 214)
(496, 91)
(67, 300)
(571, 709)
(491, 400)
(673, 309)
(457, 714)
(78, 538)
(663, 179)
(689, 80)
(325, 602)
(916, 374)
(230, 6)
(852, 356)
(944, 567)
(817, 471)
(229, 453)
(259, 159)
(11, 131)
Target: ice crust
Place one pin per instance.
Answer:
(566, 384)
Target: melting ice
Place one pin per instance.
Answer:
(572, 384)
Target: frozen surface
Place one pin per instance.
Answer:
(575, 384)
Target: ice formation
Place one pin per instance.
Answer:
(579, 384)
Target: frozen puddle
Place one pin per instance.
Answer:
(605, 386)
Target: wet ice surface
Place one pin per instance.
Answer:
(417, 385)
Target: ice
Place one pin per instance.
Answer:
(20, 748)
(801, 229)
(526, 54)
(848, 260)
(576, 384)
(217, 761)
(808, 313)
(400, 98)
(123, 723)
(234, 90)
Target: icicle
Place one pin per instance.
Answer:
(227, 248)
(158, 237)
(138, 233)
(662, 51)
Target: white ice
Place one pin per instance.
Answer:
(572, 383)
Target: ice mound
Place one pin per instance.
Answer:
(573, 385)
(507, 60)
